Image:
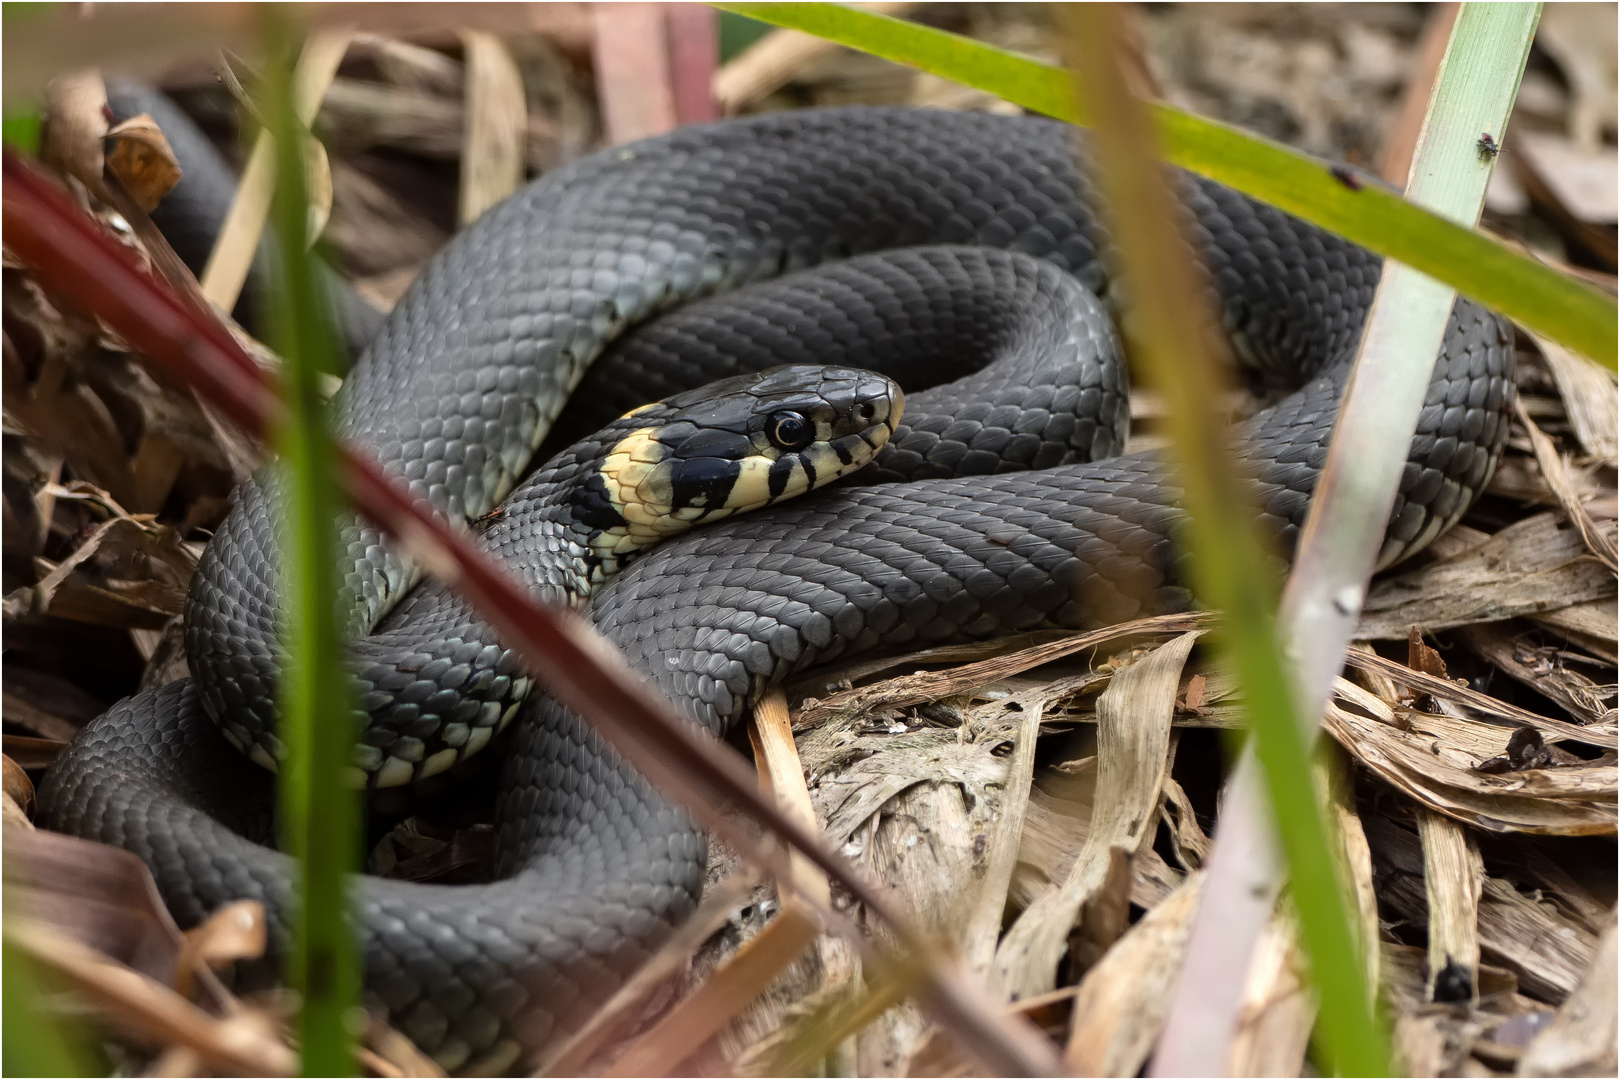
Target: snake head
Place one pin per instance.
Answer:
(733, 446)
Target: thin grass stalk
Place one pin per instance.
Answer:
(319, 807)
(1474, 91)
(1172, 329)
(1360, 210)
(74, 256)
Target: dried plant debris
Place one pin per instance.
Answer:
(1042, 804)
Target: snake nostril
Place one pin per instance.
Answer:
(867, 410)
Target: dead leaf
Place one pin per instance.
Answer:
(1419, 657)
(143, 160)
(243, 1042)
(1480, 704)
(1133, 733)
(238, 241)
(416, 851)
(1121, 1002)
(1588, 393)
(1274, 1027)
(1434, 760)
(1599, 542)
(1194, 697)
(1582, 40)
(1453, 875)
(100, 896)
(933, 685)
(1542, 669)
(128, 572)
(1525, 750)
(776, 58)
(1538, 564)
(16, 784)
(726, 992)
(47, 705)
(234, 932)
(394, 1054)
(719, 902)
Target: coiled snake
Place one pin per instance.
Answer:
(468, 373)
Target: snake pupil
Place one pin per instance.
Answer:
(790, 431)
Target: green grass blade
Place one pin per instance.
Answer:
(319, 808)
(21, 130)
(22, 118)
(1345, 530)
(36, 1043)
(1231, 569)
(1477, 266)
(1474, 92)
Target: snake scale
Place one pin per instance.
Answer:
(471, 369)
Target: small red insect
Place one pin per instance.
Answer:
(1346, 176)
(1487, 145)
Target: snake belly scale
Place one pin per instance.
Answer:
(471, 369)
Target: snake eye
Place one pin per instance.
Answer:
(790, 431)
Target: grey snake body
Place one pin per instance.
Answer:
(463, 381)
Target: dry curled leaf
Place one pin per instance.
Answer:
(1193, 699)
(16, 784)
(11, 811)
(1419, 657)
(129, 572)
(234, 932)
(142, 159)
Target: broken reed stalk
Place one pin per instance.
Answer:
(1344, 530)
(320, 810)
(1172, 330)
(75, 257)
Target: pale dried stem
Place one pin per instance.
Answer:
(773, 61)
(984, 923)
(1133, 739)
(495, 126)
(238, 240)
(1453, 875)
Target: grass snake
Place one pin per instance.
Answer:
(794, 238)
